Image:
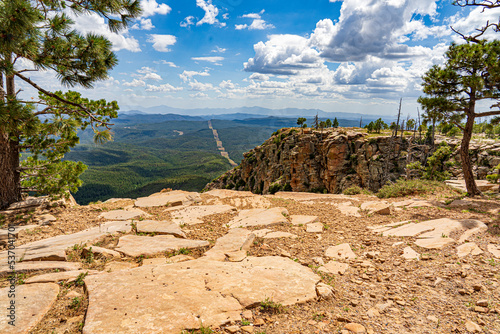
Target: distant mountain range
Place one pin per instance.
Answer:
(247, 112)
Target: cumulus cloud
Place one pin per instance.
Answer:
(163, 88)
(476, 19)
(135, 83)
(151, 7)
(95, 24)
(257, 24)
(187, 22)
(199, 86)
(188, 75)
(152, 76)
(218, 49)
(227, 84)
(211, 13)
(259, 77)
(215, 60)
(143, 24)
(199, 95)
(161, 42)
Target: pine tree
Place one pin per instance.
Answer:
(316, 122)
(470, 74)
(335, 123)
(40, 33)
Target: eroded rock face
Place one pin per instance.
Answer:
(173, 297)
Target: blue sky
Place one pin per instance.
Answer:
(349, 56)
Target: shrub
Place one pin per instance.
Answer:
(404, 187)
(274, 188)
(354, 190)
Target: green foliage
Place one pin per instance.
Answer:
(354, 190)
(269, 306)
(42, 34)
(301, 121)
(335, 123)
(274, 188)
(404, 187)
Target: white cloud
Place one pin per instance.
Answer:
(257, 24)
(200, 87)
(259, 77)
(211, 13)
(227, 84)
(152, 76)
(143, 24)
(187, 21)
(164, 62)
(161, 42)
(215, 60)
(163, 88)
(219, 50)
(188, 75)
(135, 83)
(93, 23)
(199, 95)
(476, 19)
(151, 7)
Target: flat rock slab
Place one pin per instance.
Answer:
(30, 202)
(173, 198)
(494, 250)
(236, 240)
(334, 268)
(342, 251)
(135, 245)
(482, 185)
(170, 298)
(279, 234)
(100, 251)
(375, 207)
(348, 209)
(33, 267)
(410, 254)
(123, 214)
(160, 227)
(260, 217)
(250, 202)
(192, 215)
(119, 265)
(469, 248)
(303, 220)
(304, 196)
(33, 301)
(69, 276)
(434, 243)
(314, 228)
(46, 219)
(54, 249)
(261, 233)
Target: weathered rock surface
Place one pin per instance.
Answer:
(434, 243)
(54, 249)
(303, 220)
(342, 251)
(314, 228)
(172, 198)
(135, 245)
(468, 248)
(33, 301)
(124, 214)
(192, 215)
(69, 276)
(173, 297)
(4, 233)
(494, 250)
(237, 239)
(35, 266)
(376, 207)
(279, 234)
(160, 227)
(334, 268)
(259, 217)
(348, 210)
(410, 254)
(100, 251)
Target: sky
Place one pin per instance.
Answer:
(346, 56)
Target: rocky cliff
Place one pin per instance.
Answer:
(333, 160)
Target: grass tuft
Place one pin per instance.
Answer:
(414, 187)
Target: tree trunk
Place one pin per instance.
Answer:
(10, 185)
(472, 189)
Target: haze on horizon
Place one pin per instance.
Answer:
(338, 56)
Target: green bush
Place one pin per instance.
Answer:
(404, 187)
(274, 188)
(354, 190)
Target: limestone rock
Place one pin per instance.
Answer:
(237, 239)
(375, 207)
(334, 268)
(473, 327)
(348, 210)
(179, 258)
(192, 215)
(29, 202)
(236, 256)
(119, 265)
(494, 250)
(4, 233)
(169, 298)
(135, 245)
(314, 228)
(156, 261)
(33, 301)
(46, 219)
(258, 217)
(279, 234)
(342, 251)
(324, 291)
(303, 220)
(410, 254)
(33, 267)
(160, 227)
(172, 198)
(468, 248)
(435, 243)
(261, 233)
(100, 251)
(225, 193)
(123, 214)
(355, 328)
(69, 276)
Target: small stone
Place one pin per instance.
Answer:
(433, 319)
(232, 329)
(237, 256)
(247, 314)
(473, 327)
(354, 303)
(319, 261)
(259, 322)
(477, 287)
(247, 329)
(372, 255)
(355, 328)
(314, 228)
(480, 309)
(373, 312)
(324, 291)
(410, 254)
(462, 292)
(46, 220)
(73, 294)
(400, 303)
(482, 302)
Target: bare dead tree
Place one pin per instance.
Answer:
(399, 115)
(485, 4)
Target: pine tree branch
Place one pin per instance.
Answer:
(60, 99)
(488, 113)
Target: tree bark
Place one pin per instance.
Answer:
(472, 189)
(10, 184)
